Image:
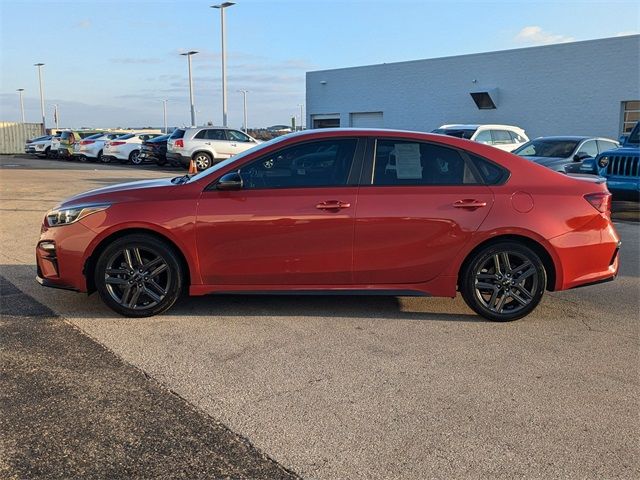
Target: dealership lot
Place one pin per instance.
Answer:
(371, 387)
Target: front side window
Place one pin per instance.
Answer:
(314, 164)
(236, 136)
(604, 145)
(516, 137)
(400, 162)
(589, 148)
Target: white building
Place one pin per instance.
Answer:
(580, 88)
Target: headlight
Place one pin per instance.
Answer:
(66, 216)
(603, 162)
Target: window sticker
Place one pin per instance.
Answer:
(408, 165)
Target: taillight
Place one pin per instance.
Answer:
(87, 142)
(117, 143)
(179, 143)
(601, 201)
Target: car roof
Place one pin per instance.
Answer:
(574, 138)
(469, 126)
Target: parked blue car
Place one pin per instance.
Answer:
(621, 166)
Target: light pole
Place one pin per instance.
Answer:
(20, 90)
(301, 117)
(164, 116)
(244, 107)
(193, 107)
(40, 65)
(221, 7)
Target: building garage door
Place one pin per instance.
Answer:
(366, 120)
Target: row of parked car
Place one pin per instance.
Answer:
(208, 145)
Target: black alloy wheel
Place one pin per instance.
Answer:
(504, 281)
(138, 276)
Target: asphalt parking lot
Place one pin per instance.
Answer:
(349, 387)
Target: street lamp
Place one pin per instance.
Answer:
(164, 116)
(301, 117)
(55, 115)
(244, 105)
(20, 90)
(40, 65)
(193, 107)
(221, 7)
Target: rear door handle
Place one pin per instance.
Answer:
(469, 203)
(332, 205)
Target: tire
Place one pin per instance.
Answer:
(507, 290)
(161, 163)
(203, 161)
(145, 281)
(99, 157)
(47, 152)
(134, 157)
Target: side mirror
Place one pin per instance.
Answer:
(230, 181)
(578, 157)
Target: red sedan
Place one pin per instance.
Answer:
(339, 211)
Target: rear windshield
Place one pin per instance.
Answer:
(95, 135)
(161, 138)
(457, 132)
(178, 133)
(128, 135)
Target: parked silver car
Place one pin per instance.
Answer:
(206, 145)
(560, 153)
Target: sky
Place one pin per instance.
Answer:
(110, 64)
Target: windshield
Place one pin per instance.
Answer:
(240, 156)
(547, 148)
(456, 132)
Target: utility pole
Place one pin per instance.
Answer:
(301, 117)
(244, 105)
(164, 116)
(189, 54)
(40, 65)
(222, 7)
(56, 118)
(20, 90)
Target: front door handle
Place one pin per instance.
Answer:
(332, 205)
(469, 203)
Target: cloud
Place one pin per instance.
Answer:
(628, 32)
(535, 35)
(135, 61)
(85, 23)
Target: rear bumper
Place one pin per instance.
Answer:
(587, 255)
(178, 158)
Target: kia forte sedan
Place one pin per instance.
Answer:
(338, 211)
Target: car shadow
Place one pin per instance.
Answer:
(77, 305)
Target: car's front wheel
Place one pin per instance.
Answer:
(138, 276)
(504, 281)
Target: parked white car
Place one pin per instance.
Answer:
(92, 148)
(55, 144)
(126, 148)
(504, 137)
(206, 145)
(41, 146)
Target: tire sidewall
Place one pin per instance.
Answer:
(468, 282)
(205, 155)
(134, 157)
(146, 241)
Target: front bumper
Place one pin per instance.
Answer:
(60, 257)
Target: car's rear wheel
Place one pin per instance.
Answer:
(99, 157)
(138, 276)
(504, 281)
(160, 162)
(47, 152)
(202, 161)
(134, 157)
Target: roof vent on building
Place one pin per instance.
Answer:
(486, 98)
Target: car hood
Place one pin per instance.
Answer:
(116, 193)
(628, 150)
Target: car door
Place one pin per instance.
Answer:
(238, 141)
(424, 202)
(290, 224)
(217, 139)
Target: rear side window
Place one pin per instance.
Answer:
(236, 136)
(491, 173)
(501, 137)
(400, 162)
(178, 133)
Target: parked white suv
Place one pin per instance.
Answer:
(41, 146)
(504, 137)
(206, 145)
(125, 148)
